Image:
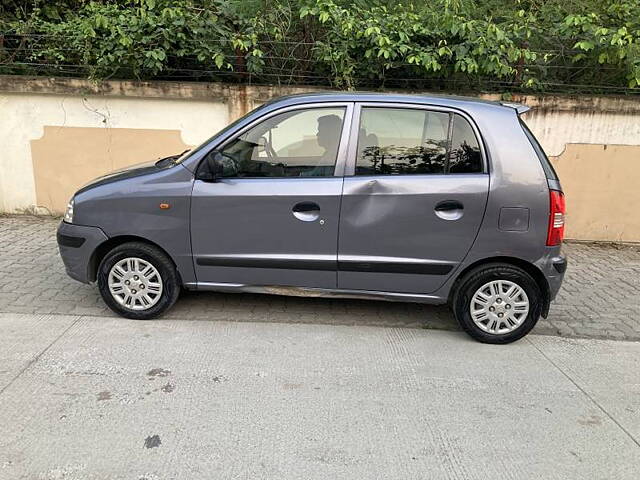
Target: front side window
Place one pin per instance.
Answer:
(299, 143)
(405, 141)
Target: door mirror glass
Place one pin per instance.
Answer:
(219, 165)
(214, 163)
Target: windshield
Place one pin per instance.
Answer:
(232, 125)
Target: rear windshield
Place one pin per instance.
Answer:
(544, 160)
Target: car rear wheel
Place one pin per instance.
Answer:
(138, 281)
(497, 303)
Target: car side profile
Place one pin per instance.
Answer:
(393, 197)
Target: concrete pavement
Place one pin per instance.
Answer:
(87, 397)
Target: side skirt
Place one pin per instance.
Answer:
(315, 292)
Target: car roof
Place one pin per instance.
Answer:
(461, 102)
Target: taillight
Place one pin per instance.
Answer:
(555, 234)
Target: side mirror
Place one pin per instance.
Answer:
(216, 166)
(215, 162)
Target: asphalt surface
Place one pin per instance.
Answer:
(85, 397)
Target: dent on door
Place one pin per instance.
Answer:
(407, 234)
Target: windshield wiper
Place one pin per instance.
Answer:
(163, 162)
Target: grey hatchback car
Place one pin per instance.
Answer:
(393, 197)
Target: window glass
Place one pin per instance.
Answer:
(301, 143)
(544, 160)
(464, 156)
(401, 141)
(204, 144)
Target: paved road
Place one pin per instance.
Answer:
(105, 398)
(600, 297)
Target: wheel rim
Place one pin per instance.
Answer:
(135, 284)
(499, 307)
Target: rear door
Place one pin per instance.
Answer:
(414, 196)
(272, 219)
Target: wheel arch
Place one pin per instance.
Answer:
(528, 267)
(108, 245)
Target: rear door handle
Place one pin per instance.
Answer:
(306, 211)
(449, 210)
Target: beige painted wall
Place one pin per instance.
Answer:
(24, 116)
(602, 188)
(61, 162)
(56, 134)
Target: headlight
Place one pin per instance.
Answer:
(68, 214)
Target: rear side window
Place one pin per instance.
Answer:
(544, 160)
(401, 141)
(406, 141)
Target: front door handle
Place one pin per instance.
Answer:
(306, 211)
(449, 210)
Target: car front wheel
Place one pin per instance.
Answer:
(497, 303)
(138, 281)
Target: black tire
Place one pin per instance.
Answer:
(474, 280)
(164, 266)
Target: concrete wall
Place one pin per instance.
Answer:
(594, 144)
(57, 134)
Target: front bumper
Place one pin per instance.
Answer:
(77, 244)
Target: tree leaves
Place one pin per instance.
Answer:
(349, 43)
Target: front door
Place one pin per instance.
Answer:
(272, 218)
(414, 201)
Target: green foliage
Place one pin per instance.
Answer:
(140, 38)
(441, 41)
(610, 37)
(448, 44)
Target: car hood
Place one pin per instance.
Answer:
(136, 170)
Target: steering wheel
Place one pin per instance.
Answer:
(268, 149)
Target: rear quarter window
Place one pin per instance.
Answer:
(544, 160)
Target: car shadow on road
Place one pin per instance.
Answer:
(287, 309)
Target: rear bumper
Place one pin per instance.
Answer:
(554, 271)
(553, 265)
(76, 244)
(560, 264)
